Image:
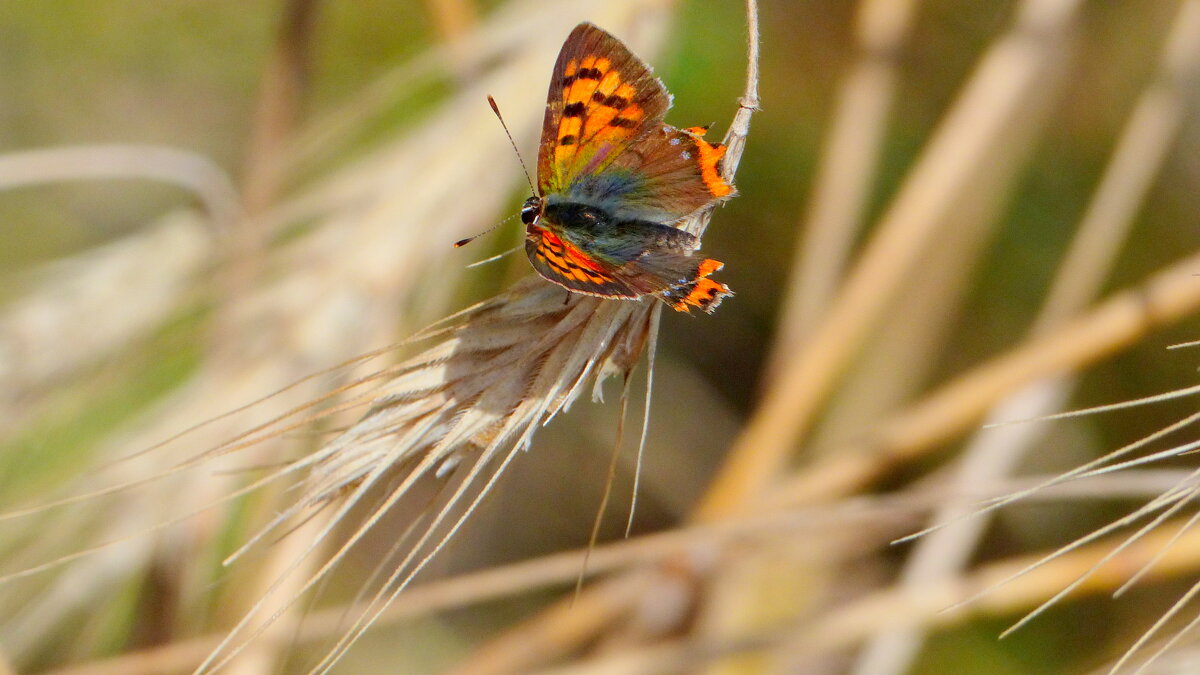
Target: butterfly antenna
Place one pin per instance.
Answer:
(463, 242)
(496, 109)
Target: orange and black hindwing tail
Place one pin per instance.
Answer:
(700, 292)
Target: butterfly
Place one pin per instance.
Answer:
(613, 180)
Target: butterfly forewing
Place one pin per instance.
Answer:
(602, 98)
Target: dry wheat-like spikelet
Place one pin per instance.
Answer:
(336, 289)
(467, 405)
(460, 411)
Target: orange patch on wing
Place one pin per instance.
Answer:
(706, 294)
(582, 260)
(608, 84)
(616, 126)
(599, 109)
(597, 120)
(570, 261)
(581, 89)
(569, 126)
(569, 129)
(701, 292)
(710, 156)
(592, 75)
(551, 249)
(708, 266)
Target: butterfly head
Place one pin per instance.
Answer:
(532, 209)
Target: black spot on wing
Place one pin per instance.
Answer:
(613, 101)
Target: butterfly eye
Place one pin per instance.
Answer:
(530, 210)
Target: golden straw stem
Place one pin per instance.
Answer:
(972, 130)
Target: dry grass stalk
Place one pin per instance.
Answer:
(906, 347)
(855, 621)
(887, 515)
(847, 172)
(1140, 152)
(1012, 71)
(1117, 323)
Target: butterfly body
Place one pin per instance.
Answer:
(614, 181)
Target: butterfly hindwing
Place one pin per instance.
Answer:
(676, 172)
(584, 249)
(566, 265)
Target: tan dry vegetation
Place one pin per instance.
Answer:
(783, 565)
